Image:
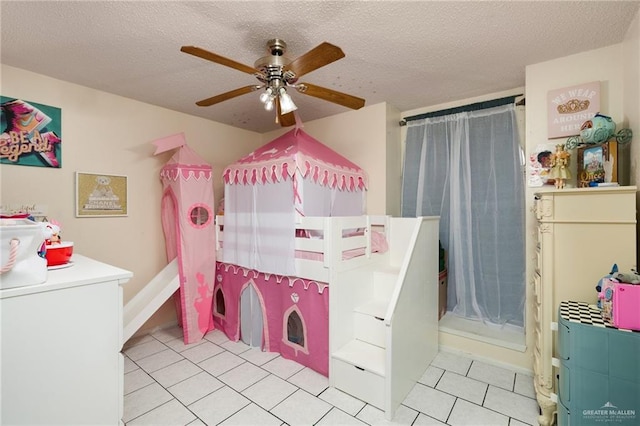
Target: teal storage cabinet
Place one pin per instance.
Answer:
(599, 374)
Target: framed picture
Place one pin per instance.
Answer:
(597, 164)
(101, 195)
(539, 165)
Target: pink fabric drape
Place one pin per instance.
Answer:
(279, 297)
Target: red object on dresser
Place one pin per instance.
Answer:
(59, 254)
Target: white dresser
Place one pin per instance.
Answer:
(581, 233)
(60, 345)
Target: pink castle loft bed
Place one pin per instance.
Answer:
(294, 266)
(292, 214)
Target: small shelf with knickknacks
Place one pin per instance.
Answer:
(602, 153)
(599, 376)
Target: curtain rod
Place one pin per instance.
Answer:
(471, 107)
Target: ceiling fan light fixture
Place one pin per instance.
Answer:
(286, 103)
(268, 105)
(266, 95)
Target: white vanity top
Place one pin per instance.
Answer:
(82, 271)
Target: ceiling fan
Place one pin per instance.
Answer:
(276, 72)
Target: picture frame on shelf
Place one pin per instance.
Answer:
(596, 163)
(101, 195)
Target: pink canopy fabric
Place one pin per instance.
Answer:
(298, 176)
(187, 219)
(296, 152)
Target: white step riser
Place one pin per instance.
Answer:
(383, 284)
(369, 329)
(359, 383)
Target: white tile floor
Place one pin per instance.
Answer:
(218, 381)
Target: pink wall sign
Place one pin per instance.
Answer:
(569, 107)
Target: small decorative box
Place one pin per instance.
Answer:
(626, 306)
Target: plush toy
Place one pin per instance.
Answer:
(52, 232)
(627, 278)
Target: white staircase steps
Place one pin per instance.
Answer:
(363, 355)
(148, 300)
(362, 361)
(368, 322)
(384, 318)
(361, 369)
(368, 318)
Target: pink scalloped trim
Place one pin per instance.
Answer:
(323, 174)
(174, 171)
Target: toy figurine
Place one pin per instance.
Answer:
(52, 232)
(560, 166)
(597, 130)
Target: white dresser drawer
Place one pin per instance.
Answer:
(358, 382)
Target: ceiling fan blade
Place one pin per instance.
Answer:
(285, 120)
(317, 57)
(330, 95)
(228, 95)
(205, 54)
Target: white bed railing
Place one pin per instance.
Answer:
(337, 243)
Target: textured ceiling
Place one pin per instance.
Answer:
(411, 54)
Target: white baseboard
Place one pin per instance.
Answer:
(507, 336)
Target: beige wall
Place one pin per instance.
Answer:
(105, 133)
(393, 194)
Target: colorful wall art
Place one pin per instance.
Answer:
(31, 133)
